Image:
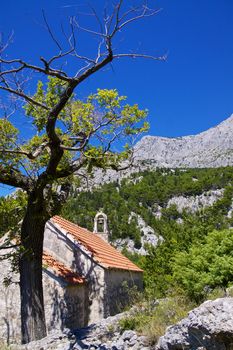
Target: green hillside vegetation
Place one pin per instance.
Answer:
(142, 194)
(182, 263)
(206, 266)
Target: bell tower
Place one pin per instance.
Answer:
(101, 225)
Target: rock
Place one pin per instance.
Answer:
(133, 340)
(208, 327)
(127, 335)
(195, 203)
(148, 237)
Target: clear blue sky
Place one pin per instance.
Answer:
(190, 92)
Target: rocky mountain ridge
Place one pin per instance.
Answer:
(212, 148)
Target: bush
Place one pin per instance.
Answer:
(206, 266)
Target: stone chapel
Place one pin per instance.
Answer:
(85, 278)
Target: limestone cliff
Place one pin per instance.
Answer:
(212, 148)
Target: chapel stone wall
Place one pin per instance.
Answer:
(63, 247)
(65, 305)
(121, 286)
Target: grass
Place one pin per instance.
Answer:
(153, 321)
(4, 346)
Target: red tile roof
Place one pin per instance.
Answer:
(61, 270)
(103, 253)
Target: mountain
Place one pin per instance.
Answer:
(210, 149)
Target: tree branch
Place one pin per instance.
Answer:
(10, 246)
(29, 155)
(14, 178)
(12, 151)
(142, 15)
(50, 31)
(47, 70)
(24, 96)
(75, 166)
(55, 142)
(138, 55)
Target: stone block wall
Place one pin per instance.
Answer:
(65, 305)
(120, 287)
(10, 325)
(64, 247)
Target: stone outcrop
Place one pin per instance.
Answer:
(195, 203)
(148, 237)
(208, 327)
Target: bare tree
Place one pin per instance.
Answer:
(69, 135)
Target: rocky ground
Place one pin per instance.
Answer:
(105, 335)
(207, 327)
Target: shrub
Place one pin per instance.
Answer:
(206, 266)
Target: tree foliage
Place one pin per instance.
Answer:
(12, 210)
(206, 266)
(86, 129)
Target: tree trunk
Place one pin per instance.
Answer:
(33, 324)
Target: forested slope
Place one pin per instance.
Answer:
(148, 194)
(194, 252)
